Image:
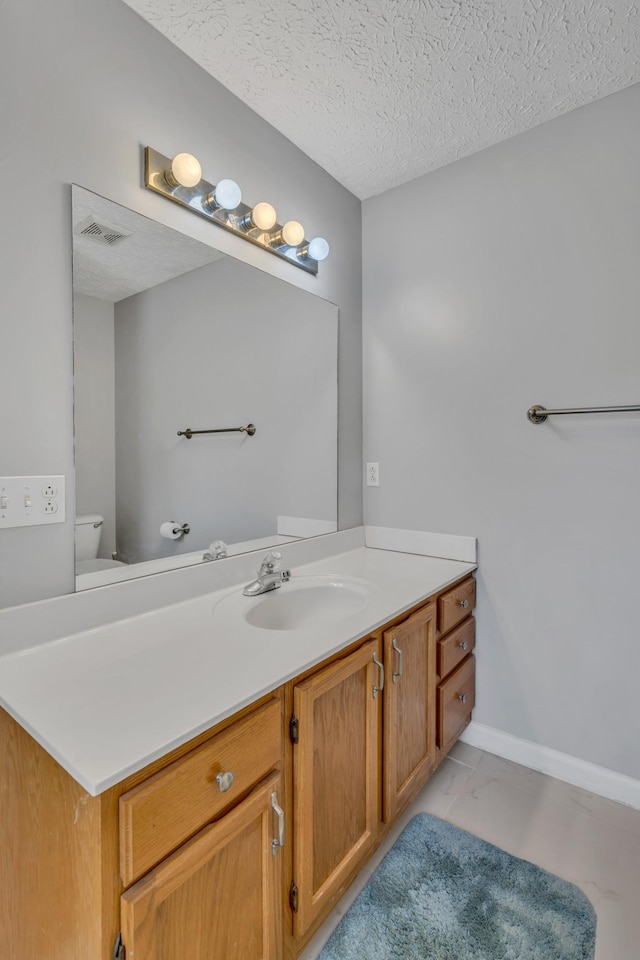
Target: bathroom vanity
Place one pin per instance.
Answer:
(220, 772)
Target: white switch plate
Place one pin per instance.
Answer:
(30, 501)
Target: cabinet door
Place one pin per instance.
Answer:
(335, 778)
(218, 895)
(409, 708)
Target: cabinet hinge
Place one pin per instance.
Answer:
(118, 949)
(293, 897)
(294, 729)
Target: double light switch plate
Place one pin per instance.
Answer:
(30, 501)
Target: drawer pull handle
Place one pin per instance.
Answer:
(463, 644)
(394, 676)
(279, 812)
(463, 603)
(377, 690)
(462, 697)
(225, 780)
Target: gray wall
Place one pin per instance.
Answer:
(520, 286)
(94, 413)
(91, 84)
(222, 346)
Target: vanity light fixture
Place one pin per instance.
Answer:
(263, 216)
(317, 249)
(290, 235)
(180, 179)
(183, 171)
(226, 195)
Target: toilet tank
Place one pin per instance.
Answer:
(87, 532)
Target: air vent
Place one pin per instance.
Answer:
(104, 233)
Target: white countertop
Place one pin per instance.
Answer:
(106, 702)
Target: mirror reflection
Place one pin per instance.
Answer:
(170, 334)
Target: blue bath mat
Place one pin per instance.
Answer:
(442, 894)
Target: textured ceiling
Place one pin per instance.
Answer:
(381, 91)
(150, 254)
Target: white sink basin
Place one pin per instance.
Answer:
(300, 603)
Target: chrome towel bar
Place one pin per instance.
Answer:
(538, 414)
(249, 429)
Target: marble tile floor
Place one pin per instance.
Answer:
(582, 837)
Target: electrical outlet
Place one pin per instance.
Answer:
(29, 501)
(373, 475)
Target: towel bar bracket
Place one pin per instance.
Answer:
(538, 413)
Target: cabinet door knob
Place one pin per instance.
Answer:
(464, 604)
(225, 780)
(279, 812)
(463, 644)
(462, 697)
(376, 689)
(395, 676)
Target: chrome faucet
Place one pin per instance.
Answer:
(217, 551)
(270, 576)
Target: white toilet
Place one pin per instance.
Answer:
(88, 529)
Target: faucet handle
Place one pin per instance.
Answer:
(217, 551)
(276, 566)
(270, 561)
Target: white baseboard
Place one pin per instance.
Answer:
(447, 546)
(580, 773)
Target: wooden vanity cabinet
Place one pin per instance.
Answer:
(218, 895)
(409, 708)
(456, 604)
(336, 722)
(455, 662)
(164, 810)
(361, 754)
(456, 700)
(210, 826)
(181, 859)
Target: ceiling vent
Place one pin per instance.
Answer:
(102, 232)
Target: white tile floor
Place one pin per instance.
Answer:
(590, 841)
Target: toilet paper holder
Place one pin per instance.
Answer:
(173, 530)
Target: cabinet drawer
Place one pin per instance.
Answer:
(456, 700)
(456, 604)
(218, 895)
(159, 814)
(453, 648)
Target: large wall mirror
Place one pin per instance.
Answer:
(170, 334)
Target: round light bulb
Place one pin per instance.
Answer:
(293, 233)
(318, 248)
(227, 194)
(185, 170)
(264, 216)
